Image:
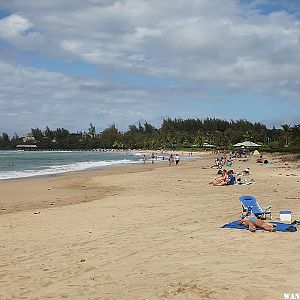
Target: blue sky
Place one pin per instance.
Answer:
(67, 63)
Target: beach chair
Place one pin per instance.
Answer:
(250, 205)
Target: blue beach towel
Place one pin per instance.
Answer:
(279, 226)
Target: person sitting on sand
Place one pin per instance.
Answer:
(222, 179)
(215, 163)
(231, 177)
(252, 222)
(218, 163)
(246, 172)
(229, 162)
(218, 178)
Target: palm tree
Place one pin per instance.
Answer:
(286, 133)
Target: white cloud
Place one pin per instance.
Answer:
(14, 26)
(202, 42)
(31, 97)
(159, 38)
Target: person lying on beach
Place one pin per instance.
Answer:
(260, 159)
(241, 181)
(252, 222)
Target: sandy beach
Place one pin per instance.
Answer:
(147, 232)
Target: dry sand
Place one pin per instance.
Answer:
(147, 232)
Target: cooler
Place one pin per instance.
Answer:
(285, 215)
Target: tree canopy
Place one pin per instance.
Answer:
(172, 133)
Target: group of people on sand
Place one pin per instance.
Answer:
(218, 163)
(229, 177)
(174, 159)
(222, 161)
(223, 178)
(153, 157)
(260, 160)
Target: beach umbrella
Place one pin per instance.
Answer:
(256, 153)
(247, 144)
(237, 145)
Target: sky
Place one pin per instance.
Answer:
(69, 63)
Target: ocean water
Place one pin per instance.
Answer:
(20, 164)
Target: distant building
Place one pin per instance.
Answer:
(87, 135)
(207, 145)
(27, 147)
(28, 138)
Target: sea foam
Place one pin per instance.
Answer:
(73, 167)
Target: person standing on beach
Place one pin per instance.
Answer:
(152, 157)
(144, 158)
(177, 159)
(171, 160)
(225, 156)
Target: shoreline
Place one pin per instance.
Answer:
(92, 168)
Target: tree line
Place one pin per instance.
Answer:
(173, 133)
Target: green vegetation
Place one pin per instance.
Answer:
(177, 133)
